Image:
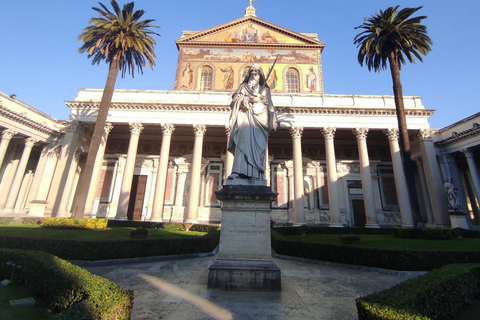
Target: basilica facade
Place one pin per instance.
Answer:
(334, 159)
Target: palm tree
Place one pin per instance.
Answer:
(392, 36)
(124, 42)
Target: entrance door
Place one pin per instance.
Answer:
(358, 208)
(137, 196)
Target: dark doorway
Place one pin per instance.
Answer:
(359, 217)
(137, 195)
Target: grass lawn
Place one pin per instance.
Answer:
(393, 243)
(7, 312)
(116, 233)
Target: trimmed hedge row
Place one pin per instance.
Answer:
(161, 225)
(67, 223)
(406, 260)
(118, 249)
(440, 294)
(68, 290)
(289, 231)
(426, 233)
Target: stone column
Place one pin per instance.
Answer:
(64, 202)
(423, 184)
(474, 175)
(196, 167)
(44, 173)
(158, 200)
(434, 179)
(298, 209)
(97, 172)
(400, 181)
(65, 161)
(6, 137)
(135, 130)
(229, 156)
(367, 184)
(335, 218)
(18, 178)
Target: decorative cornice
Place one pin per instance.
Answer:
(459, 136)
(22, 119)
(280, 109)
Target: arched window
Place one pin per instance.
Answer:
(292, 81)
(206, 77)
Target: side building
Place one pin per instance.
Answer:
(333, 161)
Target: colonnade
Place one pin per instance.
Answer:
(62, 185)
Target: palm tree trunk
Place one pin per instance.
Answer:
(84, 186)
(403, 134)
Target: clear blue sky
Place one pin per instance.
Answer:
(40, 62)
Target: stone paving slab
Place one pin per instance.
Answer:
(177, 290)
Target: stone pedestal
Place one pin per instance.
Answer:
(37, 208)
(244, 260)
(458, 219)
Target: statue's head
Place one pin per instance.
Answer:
(255, 73)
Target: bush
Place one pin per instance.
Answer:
(203, 228)
(426, 233)
(406, 260)
(32, 220)
(174, 226)
(465, 233)
(328, 230)
(66, 289)
(135, 224)
(94, 224)
(5, 221)
(440, 294)
(139, 231)
(115, 249)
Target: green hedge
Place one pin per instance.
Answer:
(440, 294)
(118, 249)
(328, 230)
(407, 260)
(66, 289)
(426, 233)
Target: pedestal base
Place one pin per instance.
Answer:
(244, 275)
(244, 259)
(37, 208)
(458, 219)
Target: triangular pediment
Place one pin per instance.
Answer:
(249, 31)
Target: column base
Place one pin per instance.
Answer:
(244, 275)
(336, 225)
(37, 208)
(372, 225)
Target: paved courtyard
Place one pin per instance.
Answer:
(177, 290)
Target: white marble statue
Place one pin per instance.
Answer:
(452, 194)
(253, 117)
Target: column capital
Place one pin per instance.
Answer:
(108, 127)
(73, 126)
(418, 159)
(167, 128)
(392, 134)
(199, 130)
(296, 132)
(467, 152)
(360, 133)
(8, 134)
(448, 157)
(425, 134)
(135, 127)
(328, 133)
(30, 142)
